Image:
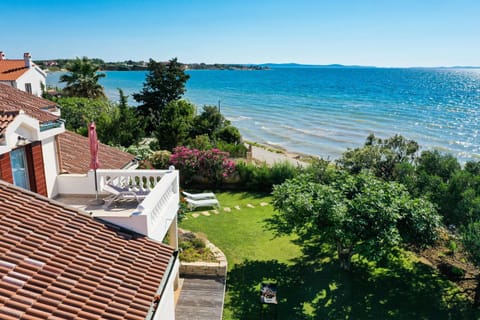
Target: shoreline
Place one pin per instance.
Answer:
(276, 154)
(328, 122)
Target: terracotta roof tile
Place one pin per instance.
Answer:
(75, 154)
(14, 100)
(52, 265)
(11, 70)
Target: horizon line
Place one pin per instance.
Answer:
(294, 64)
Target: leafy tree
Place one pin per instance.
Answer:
(126, 127)
(82, 79)
(164, 83)
(117, 125)
(230, 134)
(209, 122)
(473, 167)
(175, 124)
(435, 163)
(356, 213)
(471, 241)
(441, 178)
(78, 112)
(380, 156)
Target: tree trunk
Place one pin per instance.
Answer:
(344, 256)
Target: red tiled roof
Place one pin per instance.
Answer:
(11, 70)
(12, 99)
(74, 152)
(59, 263)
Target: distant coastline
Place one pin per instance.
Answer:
(55, 65)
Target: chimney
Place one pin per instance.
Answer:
(2, 55)
(28, 59)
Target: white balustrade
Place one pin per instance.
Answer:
(136, 180)
(153, 216)
(160, 200)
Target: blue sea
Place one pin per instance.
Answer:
(324, 111)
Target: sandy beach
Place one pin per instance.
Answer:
(270, 155)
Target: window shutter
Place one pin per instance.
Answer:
(36, 168)
(6, 168)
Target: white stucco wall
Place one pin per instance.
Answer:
(35, 78)
(166, 307)
(50, 161)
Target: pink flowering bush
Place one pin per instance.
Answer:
(213, 164)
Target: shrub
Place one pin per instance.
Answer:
(160, 159)
(142, 152)
(452, 246)
(201, 142)
(193, 248)
(235, 150)
(211, 164)
(264, 177)
(229, 134)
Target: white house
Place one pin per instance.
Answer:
(39, 160)
(22, 74)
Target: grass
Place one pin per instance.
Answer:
(311, 285)
(241, 234)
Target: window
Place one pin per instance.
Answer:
(28, 87)
(19, 168)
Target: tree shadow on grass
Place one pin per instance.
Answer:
(319, 289)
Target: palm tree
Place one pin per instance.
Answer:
(82, 79)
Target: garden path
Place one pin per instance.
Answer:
(201, 299)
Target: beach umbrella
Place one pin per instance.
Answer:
(94, 163)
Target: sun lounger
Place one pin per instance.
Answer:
(119, 193)
(202, 203)
(199, 196)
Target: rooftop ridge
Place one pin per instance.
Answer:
(13, 70)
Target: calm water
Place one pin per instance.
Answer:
(324, 111)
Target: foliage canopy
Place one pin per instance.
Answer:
(356, 213)
(117, 124)
(82, 79)
(164, 83)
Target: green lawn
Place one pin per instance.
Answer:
(241, 234)
(311, 285)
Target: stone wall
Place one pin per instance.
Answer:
(206, 269)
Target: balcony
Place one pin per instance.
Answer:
(154, 216)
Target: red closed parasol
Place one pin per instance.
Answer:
(94, 163)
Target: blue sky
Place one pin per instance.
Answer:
(381, 33)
